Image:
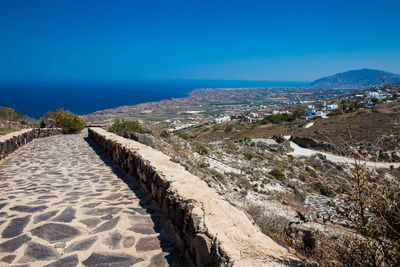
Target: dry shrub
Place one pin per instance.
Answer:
(272, 224)
(374, 210)
(249, 155)
(278, 174)
(201, 149)
(243, 182)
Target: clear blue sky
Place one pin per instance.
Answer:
(295, 40)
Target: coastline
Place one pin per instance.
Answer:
(35, 99)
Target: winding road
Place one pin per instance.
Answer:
(300, 151)
(63, 204)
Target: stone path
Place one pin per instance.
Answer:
(63, 204)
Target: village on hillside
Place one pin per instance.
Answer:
(315, 108)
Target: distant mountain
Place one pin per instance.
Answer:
(355, 79)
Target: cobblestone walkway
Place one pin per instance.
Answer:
(62, 204)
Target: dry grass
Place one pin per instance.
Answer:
(241, 130)
(6, 129)
(365, 126)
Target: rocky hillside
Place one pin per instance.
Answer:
(374, 135)
(355, 79)
(304, 202)
(295, 200)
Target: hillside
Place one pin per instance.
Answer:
(285, 195)
(374, 134)
(355, 79)
(12, 121)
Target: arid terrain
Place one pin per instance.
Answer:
(294, 176)
(300, 200)
(206, 104)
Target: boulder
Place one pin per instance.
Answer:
(279, 138)
(145, 139)
(271, 144)
(48, 123)
(395, 156)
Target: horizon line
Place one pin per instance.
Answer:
(67, 81)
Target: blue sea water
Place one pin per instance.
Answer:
(36, 99)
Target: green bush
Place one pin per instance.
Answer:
(69, 123)
(214, 129)
(304, 175)
(182, 135)
(121, 127)
(228, 129)
(165, 134)
(278, 118)
(203, 164)
(8, 114)
(249, 155)
(278, 174)
(323, 190)
(201, 149)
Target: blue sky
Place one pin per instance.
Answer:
(231, 40)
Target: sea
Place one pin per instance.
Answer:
(37, 98)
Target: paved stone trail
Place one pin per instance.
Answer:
(62, 204)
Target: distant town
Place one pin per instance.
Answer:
(317, 104)
(246, 104)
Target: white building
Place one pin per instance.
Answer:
(253, 115)
(182, 127)
(311, 112)
(276, 112)
(332, 106)
(321, 114)
(375, 95)
(222, 119)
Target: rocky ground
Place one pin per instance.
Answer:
(63, 204)
(243, 172)
(306, 198)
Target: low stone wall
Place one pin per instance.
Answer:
(213, 232)
(11, 142)
(308, 142)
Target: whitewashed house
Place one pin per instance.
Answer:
(253, 115)
(332, 106)
(375, 95)
(222, 119)
(320, 114)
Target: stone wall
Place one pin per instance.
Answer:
(11, 142)
(213, 232)
(308, 142)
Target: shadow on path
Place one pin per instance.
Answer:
(166, 236)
